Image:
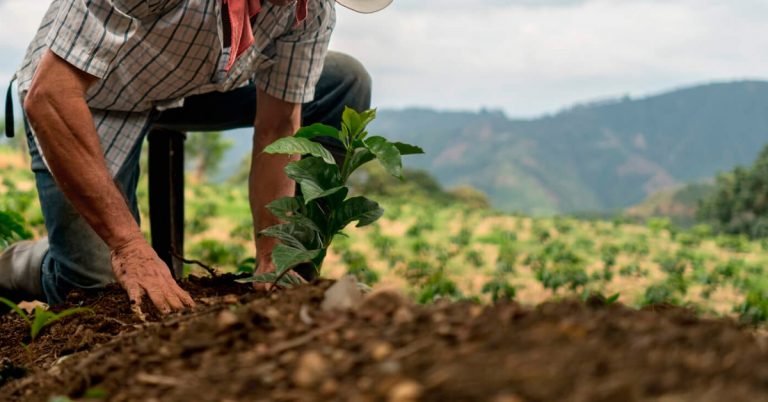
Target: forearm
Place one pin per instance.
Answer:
(267, 183)
(64, 129)
(274, 119)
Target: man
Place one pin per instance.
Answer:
(100, 73)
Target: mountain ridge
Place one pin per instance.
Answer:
(594, 156)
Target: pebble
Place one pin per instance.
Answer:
(380, 350)
(343, 295)
(329, 387)
(226, 319)
(406, 391)
(311, 370)
(403, 316)
(507, 398)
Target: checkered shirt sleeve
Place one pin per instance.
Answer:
(299, 56)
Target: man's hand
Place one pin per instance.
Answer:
(141, 272)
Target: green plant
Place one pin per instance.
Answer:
(12, 227)
(312, 219)
(41, 317)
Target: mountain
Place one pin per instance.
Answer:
(599, 156)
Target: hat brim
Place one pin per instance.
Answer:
(365, 6)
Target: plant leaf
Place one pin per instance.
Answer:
(284, 233)
(289, 209)
(408, 149)
(269, 277)
(360, 158)
(351, 119)
(16, 309)
(387, 154)
(315, 177)
(359, 209)
(299, 146)
(317, 130)
(286, 257)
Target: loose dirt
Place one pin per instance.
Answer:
(240, 345)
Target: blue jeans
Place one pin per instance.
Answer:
(78, 258)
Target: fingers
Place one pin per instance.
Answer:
(185, 298)
(159, 300)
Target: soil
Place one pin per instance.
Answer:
(241, 345)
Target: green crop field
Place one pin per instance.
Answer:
(452, 250)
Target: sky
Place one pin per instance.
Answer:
(524, 57)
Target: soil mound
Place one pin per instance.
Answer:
(240, 345)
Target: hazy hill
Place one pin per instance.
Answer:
(593, 157)
(677, 203)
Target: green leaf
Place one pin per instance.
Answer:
(286, 257)
(289, 209)
(285, 233)
(387, 154)
(317, 130)
(366, 117)
(286, 281)
(352, 121)
(16, 309)
(408, 149)
(359, 209)
(43, 318)
(315, 177)
(359, 158)
(299, 146)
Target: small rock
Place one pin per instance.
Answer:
(304, 315)
(329, 387)
(343, 295)
(364, 383)
(226, 319)
(403, 316)
(406, 391)
(507, 398)
(350, 335)
(380, 350)
(390, 367)
(311, 370)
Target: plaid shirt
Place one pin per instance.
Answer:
(151, 54)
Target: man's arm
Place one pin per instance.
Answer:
(64, 129)
(274, 119)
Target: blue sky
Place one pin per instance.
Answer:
(526, 57)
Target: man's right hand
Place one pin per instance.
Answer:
(141, 272)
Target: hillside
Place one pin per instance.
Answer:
(679, 204)
(601, 156)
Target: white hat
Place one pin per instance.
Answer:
(365, 6)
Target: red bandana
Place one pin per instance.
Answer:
(240, 13)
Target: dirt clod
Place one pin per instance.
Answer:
(312, 368)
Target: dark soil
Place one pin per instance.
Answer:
(246, 346)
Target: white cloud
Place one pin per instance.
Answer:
(524, 56)
(529, 60)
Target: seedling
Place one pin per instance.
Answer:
(323, 210)
(41, 317)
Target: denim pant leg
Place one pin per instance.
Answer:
(77, 257)
(343, 82)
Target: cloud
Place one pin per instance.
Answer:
(524, 56)
(529, 60)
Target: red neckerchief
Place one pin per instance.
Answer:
(240, 13)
